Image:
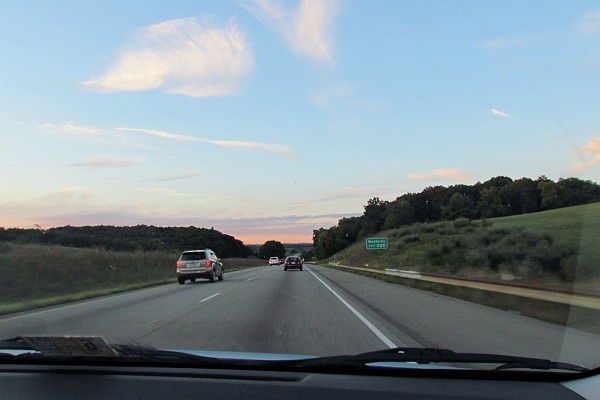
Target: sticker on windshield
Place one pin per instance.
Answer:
(71, 346)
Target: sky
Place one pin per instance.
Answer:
(268, 119)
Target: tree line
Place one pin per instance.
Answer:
(131, 238)
(497, 197)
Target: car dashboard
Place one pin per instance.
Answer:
(147, 382)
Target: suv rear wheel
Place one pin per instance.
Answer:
(222, 272)
(212, 275)
(181, 281)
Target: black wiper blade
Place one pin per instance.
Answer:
(434, 355)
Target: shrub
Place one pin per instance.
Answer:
(411, 239)
(476, 258)
(531, 269)
(461, 222)
(440, 254)
(496, 255)
(549, 256)
(492, 235)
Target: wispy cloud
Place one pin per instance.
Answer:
(163, 134)
(72, 128)
(590, 23)
(499, 113)
(307, 29)
(80, 211)
(450, 174)
(183, 56)
(113, 136)
(93, 134)
(592, 148)
(171, 178)
(74, 193)
(104, 162)
(168, 192)
(345, 193)
(244, 145)
(499, 43)
(345, 94)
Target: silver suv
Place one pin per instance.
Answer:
(199, 264)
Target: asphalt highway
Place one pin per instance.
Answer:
(317, 311)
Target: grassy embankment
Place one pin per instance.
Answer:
(34, 276)
(554, 247)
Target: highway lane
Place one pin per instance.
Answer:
(318, 311)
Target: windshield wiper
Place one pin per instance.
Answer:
(418, 355)
(433, 355)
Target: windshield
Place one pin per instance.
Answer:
(440, 162)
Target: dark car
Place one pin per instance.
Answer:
(293, 263)
(194, 264)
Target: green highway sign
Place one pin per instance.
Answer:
(377, 243)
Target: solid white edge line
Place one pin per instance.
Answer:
(365, 321)
(209, 297)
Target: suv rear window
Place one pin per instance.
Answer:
(193, 256)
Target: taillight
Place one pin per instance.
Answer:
(178, 264)
(208, 263)
(287, 263)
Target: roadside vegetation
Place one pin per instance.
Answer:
(497, 197)
(545, 247)
(130, 238)
(36, 275)
(578, 228)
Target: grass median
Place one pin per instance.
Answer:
(34, 276)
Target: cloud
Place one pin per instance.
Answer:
(590, 23)
(72, 128)
(345, 193)
(58, 211)
(92, 134)
(162, 134)
(184, 195)
(171, 178)
(244, 145)
(343, 94)
(264, 147)
(593, 148)
(114, 137)
(104, 162)
(74, 193)
(450, 174)
(500, 113)
(182, 56)
(505, 43)
(306, 29)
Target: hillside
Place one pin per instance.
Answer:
(577, 227)
(553, 247)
